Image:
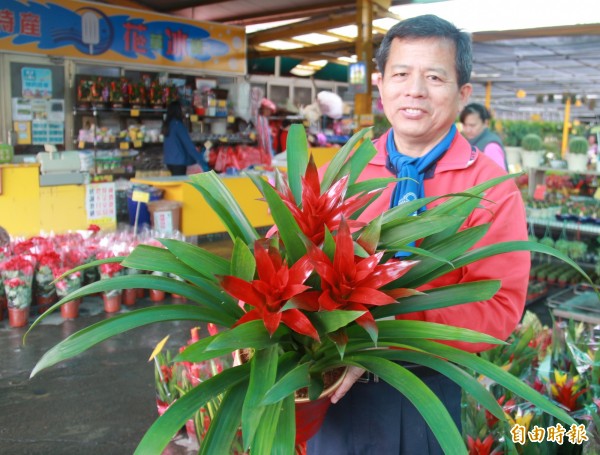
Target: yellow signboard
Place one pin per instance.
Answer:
(71, 28)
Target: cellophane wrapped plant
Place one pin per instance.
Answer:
(312, 297)
(563, 363)
(17, 276)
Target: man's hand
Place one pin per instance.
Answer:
(351, 376)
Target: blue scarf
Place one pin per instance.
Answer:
(413, 170)
(405, 166)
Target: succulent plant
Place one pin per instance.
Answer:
(578, 145)
(532, 142)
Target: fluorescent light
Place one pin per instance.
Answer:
(349, 31)
(303, 70)
(267, 25)
(318, 63)
(281, 45)
(315, 38)
(348, 59)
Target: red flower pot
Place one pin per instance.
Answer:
(70, 310)
(44, 302)
(129, 296)
(141, 293)
(18, 317)
(112, 304)
(157, 296)
(178, 297)
(310, 414)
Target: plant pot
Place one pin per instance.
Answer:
(513, 154)
(18, 317)
(129, 296)
(141, 293)
(577, 162)
(70, 310)
(531, 158)
(112, 303)
(178, 297)
(44, 302)
(310, 414)
(3, 305)
(157, 296)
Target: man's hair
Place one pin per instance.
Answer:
(475, 108)
(430, 26)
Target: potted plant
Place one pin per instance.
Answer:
(17, 276)
(266, 297)
(577, 158)
(533, 149)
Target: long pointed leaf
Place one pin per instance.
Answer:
(297, 159)
(251, 334)
(427, 403)
(90, 336)
(199, 259)
(163, 429)
(283, 444)
(454, 294)
(243, 264)
(297, 378)
(339, 159)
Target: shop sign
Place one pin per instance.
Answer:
(100, 204)
(71, 28)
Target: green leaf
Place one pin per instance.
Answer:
(359, 160)
(286, 224)
(411, 229)
(197, 352)
(365, 186)
(329, 321)
(505, 379)
(164, 428)
(427, 403)
(224, 426)
(391, 330)
(263, 370)
(297, 158)
(202, 261)
(251, 334)
(369, 236)
(296, 379)
(220, 199)
(267, 428)
(243, 264)
(283, 444)
(454, 294)
(339, 159)
(90, 336)
(90, 265)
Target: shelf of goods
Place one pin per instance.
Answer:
(584, 228)
(580, 303)
(537, 175)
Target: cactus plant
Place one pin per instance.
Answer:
(532, 142)
(578, 145)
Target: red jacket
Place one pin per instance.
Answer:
(458, 169)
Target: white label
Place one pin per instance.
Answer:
(163, 221)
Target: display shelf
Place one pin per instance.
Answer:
(536, 175)
(587, 228)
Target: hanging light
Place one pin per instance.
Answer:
(521, 93)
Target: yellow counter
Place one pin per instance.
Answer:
(26, 209)
(197, 218)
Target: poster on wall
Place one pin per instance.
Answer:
(36, 82)
(100, 204)
(21, 109)
(78, 29)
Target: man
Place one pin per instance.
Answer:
(475, 119)
(425, 65)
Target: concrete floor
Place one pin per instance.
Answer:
(99, 403)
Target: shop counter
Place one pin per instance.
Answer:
(197, 217)
(26, 209)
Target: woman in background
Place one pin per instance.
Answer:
(476, 121)
(179, 150)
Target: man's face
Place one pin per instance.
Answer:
(420, 93)
(473, 126)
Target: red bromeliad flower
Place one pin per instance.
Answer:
(276, 284)
(353, 283)
(479, 447)
(322, 210)
(566, 391)
(507, 407)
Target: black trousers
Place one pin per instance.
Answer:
(177, 169)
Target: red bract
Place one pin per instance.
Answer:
(352, 283)
(276, 284)
(322, 210)
(479, 447)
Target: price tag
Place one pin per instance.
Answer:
(124, 145)
(137, 144)
(135, 112)
(81, 145)
(194, 118)
(140, 196)
(539, 193)
(230, 119)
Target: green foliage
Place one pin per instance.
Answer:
(513, 131)
(578, 145)
(532, 142)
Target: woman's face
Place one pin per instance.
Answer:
(473, 126)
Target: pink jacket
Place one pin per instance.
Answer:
(500, 315)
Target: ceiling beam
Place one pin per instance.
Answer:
(128, 4)
(566, 30)
(301, 28)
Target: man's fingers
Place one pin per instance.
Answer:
(353, 374)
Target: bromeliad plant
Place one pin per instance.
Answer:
(312, 297)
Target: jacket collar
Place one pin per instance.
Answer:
(460, 155)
